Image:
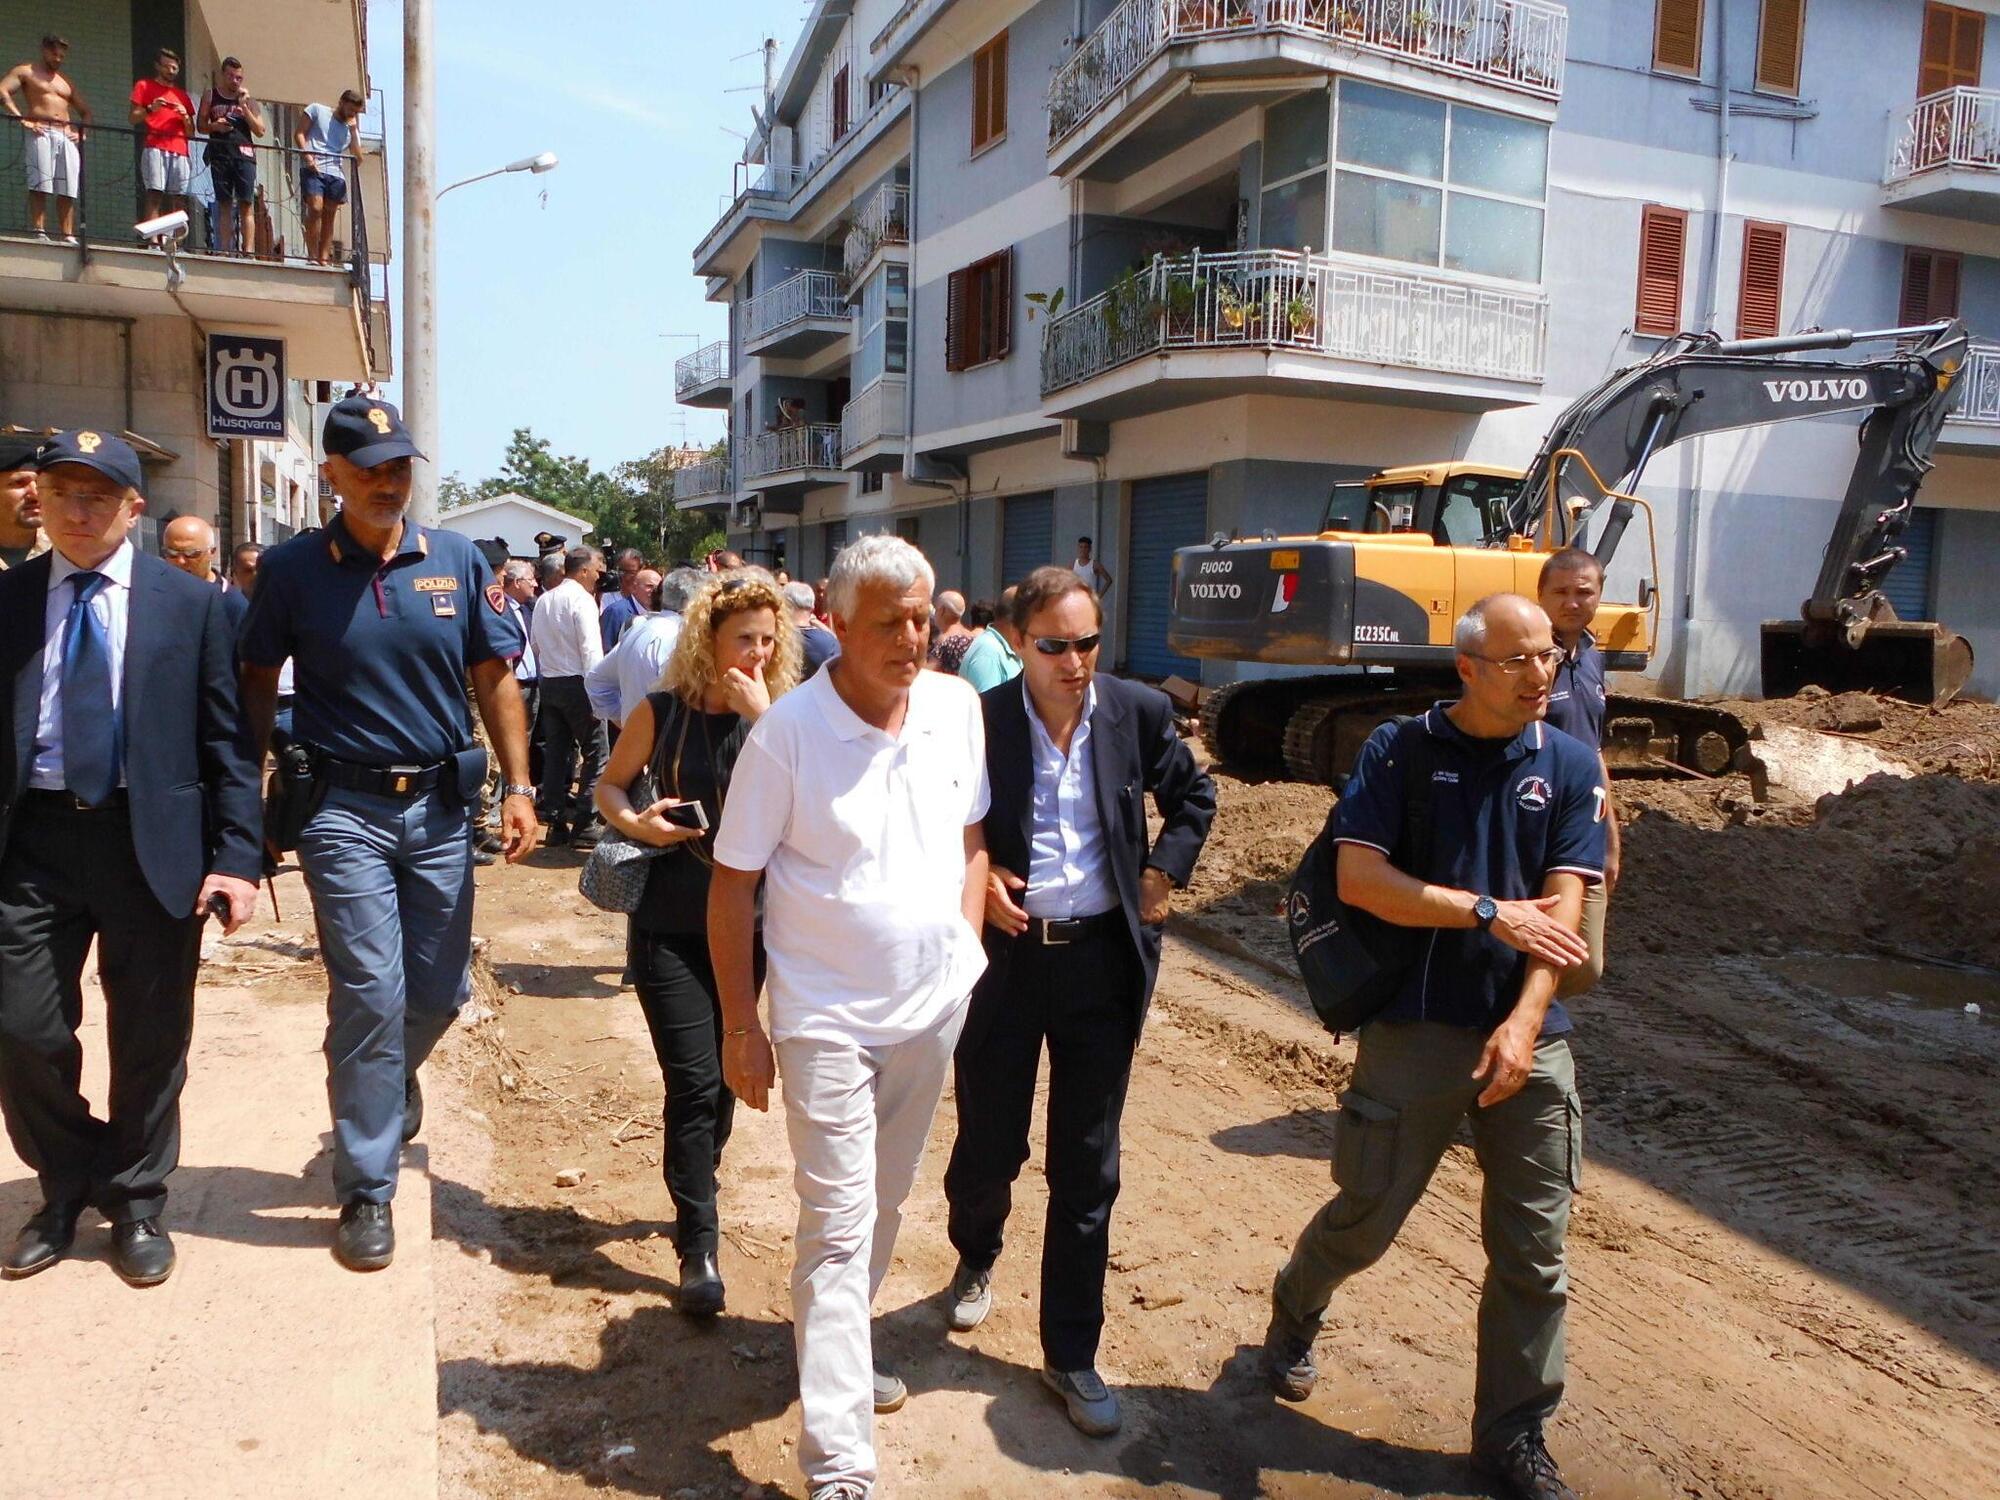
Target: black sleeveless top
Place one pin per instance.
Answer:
(693, 755)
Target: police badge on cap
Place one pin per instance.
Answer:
(367, 432)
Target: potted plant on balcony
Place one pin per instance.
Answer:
(1299, 313)
(1230, 314)
(1183, 305)
(1049, 302)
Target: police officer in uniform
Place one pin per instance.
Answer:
(1571, 583)
(384, 620)
(1475, 1034)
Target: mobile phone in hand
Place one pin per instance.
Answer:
(687, 815)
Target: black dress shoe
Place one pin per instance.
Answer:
(586, 837)
(487, 843)
(559, 833)
(43, 1240)
(700, 1295)
(142, 1252)
(1522, 1469)
(413, 1108)
(367, 1237)
(481, 858)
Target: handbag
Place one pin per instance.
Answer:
(614, 877)
(1352, 961)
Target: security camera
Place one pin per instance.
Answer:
(175, 223)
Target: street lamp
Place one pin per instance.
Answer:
(420, 272)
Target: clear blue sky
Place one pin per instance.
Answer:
(550, 313)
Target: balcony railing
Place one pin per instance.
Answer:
(1952, 128)
(811, 446)
(1979, 382)
(884, 219)
(705, 366)
(875, 414)
(1517, 43)
(810, 294)
(1279, 299)
(710, 477)
(783, 181)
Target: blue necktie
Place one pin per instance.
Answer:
(89, 728)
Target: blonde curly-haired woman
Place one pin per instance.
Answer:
(737, 651)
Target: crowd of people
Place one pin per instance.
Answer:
(863, 872)
(228, 125)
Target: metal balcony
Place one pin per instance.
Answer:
(1518, 45)
(707, 483)
(1944, 156)
(1975, 426)
(1279, 321)
(792, 459)
(871, 426)
(883, 220)
(799, 316)
(702, 378)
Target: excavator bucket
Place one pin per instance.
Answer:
(1915, 660)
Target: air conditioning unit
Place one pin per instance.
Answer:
(743, 516)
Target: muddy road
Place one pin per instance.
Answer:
(1785, 1262)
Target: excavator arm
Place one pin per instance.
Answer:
(1847, 633)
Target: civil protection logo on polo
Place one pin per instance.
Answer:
(1532, 793)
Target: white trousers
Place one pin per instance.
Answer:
(858, 1118)
(53, 162)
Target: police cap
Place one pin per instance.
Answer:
(367, 432)
(110, 456)
(18, 450)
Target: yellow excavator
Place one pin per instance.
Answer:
(1403, 553)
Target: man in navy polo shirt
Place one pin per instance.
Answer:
(1517, 830)
(1571, 583)
(384, 620)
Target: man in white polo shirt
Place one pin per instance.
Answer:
(858, 800)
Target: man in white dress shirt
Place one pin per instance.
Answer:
(633, 668)
(567, 643)
(857, 801)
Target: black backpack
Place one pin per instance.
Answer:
(1353, 962)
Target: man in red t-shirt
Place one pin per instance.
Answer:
(167, 113)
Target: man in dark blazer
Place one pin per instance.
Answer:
(128, 804)
(1075, 903)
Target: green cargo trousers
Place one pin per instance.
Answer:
(1412, 1086)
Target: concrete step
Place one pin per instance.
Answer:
(262, 1367)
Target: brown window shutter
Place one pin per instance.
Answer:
(954, 320)
(1677, 37)
(1662, 251)
(1945, 271)
(1953, 43)
(996, 89)
(1930, 286)
(1760, 298)
(840, 121)
(1780, 43)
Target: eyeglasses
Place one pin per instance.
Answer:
(1514, 666)
(1055, 645)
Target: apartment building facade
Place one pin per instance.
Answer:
(1004, 274)
(111, 332)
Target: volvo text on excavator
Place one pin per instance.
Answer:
(1402, 554)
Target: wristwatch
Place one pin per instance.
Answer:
(1484, 910)
(511, 790)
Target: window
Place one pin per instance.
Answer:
(840, 120)
(1952, 44)
(989, 93)
(1760, 299)
(979, 313)
(1930, 286)
(1781, 32)
(1437, 184)
(1662, 252)
(871, 482)
(1294, 206)
(1677, 37)
(909, 528)
(885, 326)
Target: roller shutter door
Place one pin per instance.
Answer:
(1909, 585)
(1027, 535)
(1167, 513)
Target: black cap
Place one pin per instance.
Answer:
(110, 456)
(18, 450)
(367, 432)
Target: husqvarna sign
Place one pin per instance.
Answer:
(246, 386)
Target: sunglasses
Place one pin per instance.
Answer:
(1055, 645)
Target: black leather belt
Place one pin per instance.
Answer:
(1055, 932)
(70, 802)
(384, 781)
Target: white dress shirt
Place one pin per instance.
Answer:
(632, 668)
(524, 664)
(1069, 864)
(112, 607)
(566, 639)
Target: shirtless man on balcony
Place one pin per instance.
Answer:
(55, 109)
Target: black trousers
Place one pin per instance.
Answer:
(569, 730)
(69, 876)
(676, 985)
(1082, 998)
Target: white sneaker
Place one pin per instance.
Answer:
(971, 1297)
(890, 1392)
(840, 1489)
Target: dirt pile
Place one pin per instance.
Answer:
(1960, 739)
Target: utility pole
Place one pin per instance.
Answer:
(420, 392)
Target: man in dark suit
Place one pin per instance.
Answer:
(1076, 899)
(128, 804)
